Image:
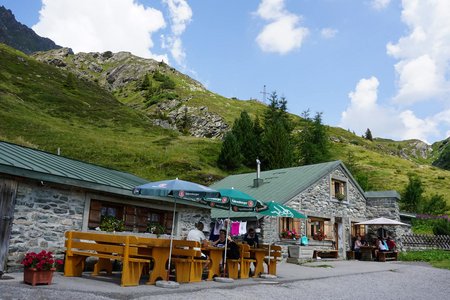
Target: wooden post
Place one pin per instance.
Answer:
(8, 191)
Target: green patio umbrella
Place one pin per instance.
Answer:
(275, 209)
(232, 200)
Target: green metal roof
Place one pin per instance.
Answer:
(31, 163)
(382, 194)
(279, 185)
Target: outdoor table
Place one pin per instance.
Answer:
(366, 252)
(259, 255)
(215, 255)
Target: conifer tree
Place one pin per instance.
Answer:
(412, 196)
(368, 135)
(313, 141)
(230, 154)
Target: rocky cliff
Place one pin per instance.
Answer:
(21, 37)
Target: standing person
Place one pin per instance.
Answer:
(251, 238)
(357, 247)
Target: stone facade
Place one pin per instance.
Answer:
(44, 212)
(316, 201)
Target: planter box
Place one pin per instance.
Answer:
(33, 276)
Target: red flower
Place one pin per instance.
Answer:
(41, 261)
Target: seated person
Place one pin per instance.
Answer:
(391, 244)
(380, 247)
(251, 238)
(357, 247)
(232, 247)
(197, 235)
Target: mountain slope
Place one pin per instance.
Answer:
(47, 107)
(21, 37)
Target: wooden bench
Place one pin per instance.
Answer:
(188, 261)
(350, 254)
(387, 255)
(274, 254)
(135, 252)
(325, 253)
(80, 245)
(245, 261)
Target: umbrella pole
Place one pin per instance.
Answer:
(226, 242)
(268, 266)
(171, 237)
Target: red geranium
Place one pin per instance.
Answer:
(43, 260)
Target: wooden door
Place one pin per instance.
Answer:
(8, 189)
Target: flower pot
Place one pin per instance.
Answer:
(33, 276)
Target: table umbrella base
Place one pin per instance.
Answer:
(267, 276)
(167, 284)
(224, 279)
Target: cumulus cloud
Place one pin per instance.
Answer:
(282, 34)
(365, 112)
(423, 54)
(380, 4)
(328, 33)
(101, 25)
(181, 16)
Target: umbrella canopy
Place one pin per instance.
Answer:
(275, 209)
(176, 188)
(232, 199)
(381, 221)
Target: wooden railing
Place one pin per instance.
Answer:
(426, 241)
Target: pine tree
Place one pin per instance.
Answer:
(277, 148)
(243, 129)
(230, 154)
(412, 196)
(368, 135)
(313, 141)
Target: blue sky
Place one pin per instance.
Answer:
(378, 64)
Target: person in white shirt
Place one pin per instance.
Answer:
(197, 235)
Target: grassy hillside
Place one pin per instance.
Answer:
(44, 107)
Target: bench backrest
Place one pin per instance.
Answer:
(117, 244)
(275, 251)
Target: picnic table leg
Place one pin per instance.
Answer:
(259, 265)
(214, 267)
(74, 265)
(103, 264)
(159, 272)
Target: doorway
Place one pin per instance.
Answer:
(8, 190)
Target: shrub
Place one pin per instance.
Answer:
(111, 223)
(441, 227)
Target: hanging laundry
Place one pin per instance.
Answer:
(217, 226)
(243, 228)
(234, 228)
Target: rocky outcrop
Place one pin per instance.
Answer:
(416, 149)
(123, 73)
(197, 121)
(21, 37)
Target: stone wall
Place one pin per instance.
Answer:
(42, 214)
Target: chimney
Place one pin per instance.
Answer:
(258, 181)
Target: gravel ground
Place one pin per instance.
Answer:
(322, 280)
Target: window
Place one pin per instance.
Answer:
(318, 228)
(359, 230)
(338, 189)
(135, 218)
(289, 224)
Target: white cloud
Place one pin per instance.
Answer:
(328, 33)
(101, 25)
(424, 54)
(181, 16)
(380, 4)
(283, 33)
(365, 112)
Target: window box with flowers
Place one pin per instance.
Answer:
(319, 235)
(289, 234)
(39, 267)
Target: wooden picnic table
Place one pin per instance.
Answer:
(366, 252)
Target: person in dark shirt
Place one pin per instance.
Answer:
(251, 238)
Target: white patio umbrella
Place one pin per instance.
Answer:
(382, 221)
